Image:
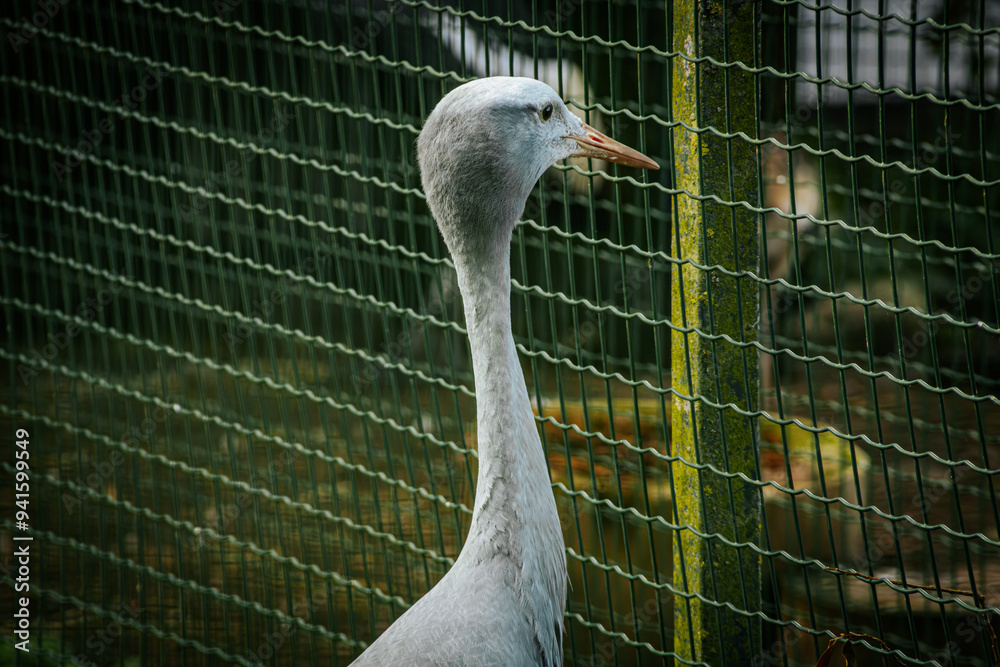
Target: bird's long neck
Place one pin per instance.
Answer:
(514, 502)
(515, 534)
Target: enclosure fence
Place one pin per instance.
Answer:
(235, 361)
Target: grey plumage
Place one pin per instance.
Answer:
(481, 151)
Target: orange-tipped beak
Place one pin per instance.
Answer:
(596, 145)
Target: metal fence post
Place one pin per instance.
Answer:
(716, 310)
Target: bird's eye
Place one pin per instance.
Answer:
(546, 113)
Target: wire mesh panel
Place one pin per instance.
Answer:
(235, 354)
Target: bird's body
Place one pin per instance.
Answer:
(481, 151)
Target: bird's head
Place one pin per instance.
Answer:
(485, 146)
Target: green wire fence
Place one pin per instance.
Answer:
(233, 347)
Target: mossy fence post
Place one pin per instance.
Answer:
(718, 314)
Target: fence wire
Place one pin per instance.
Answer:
(234, 338)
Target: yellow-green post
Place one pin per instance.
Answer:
(715, 511)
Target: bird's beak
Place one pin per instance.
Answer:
(596, 145)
